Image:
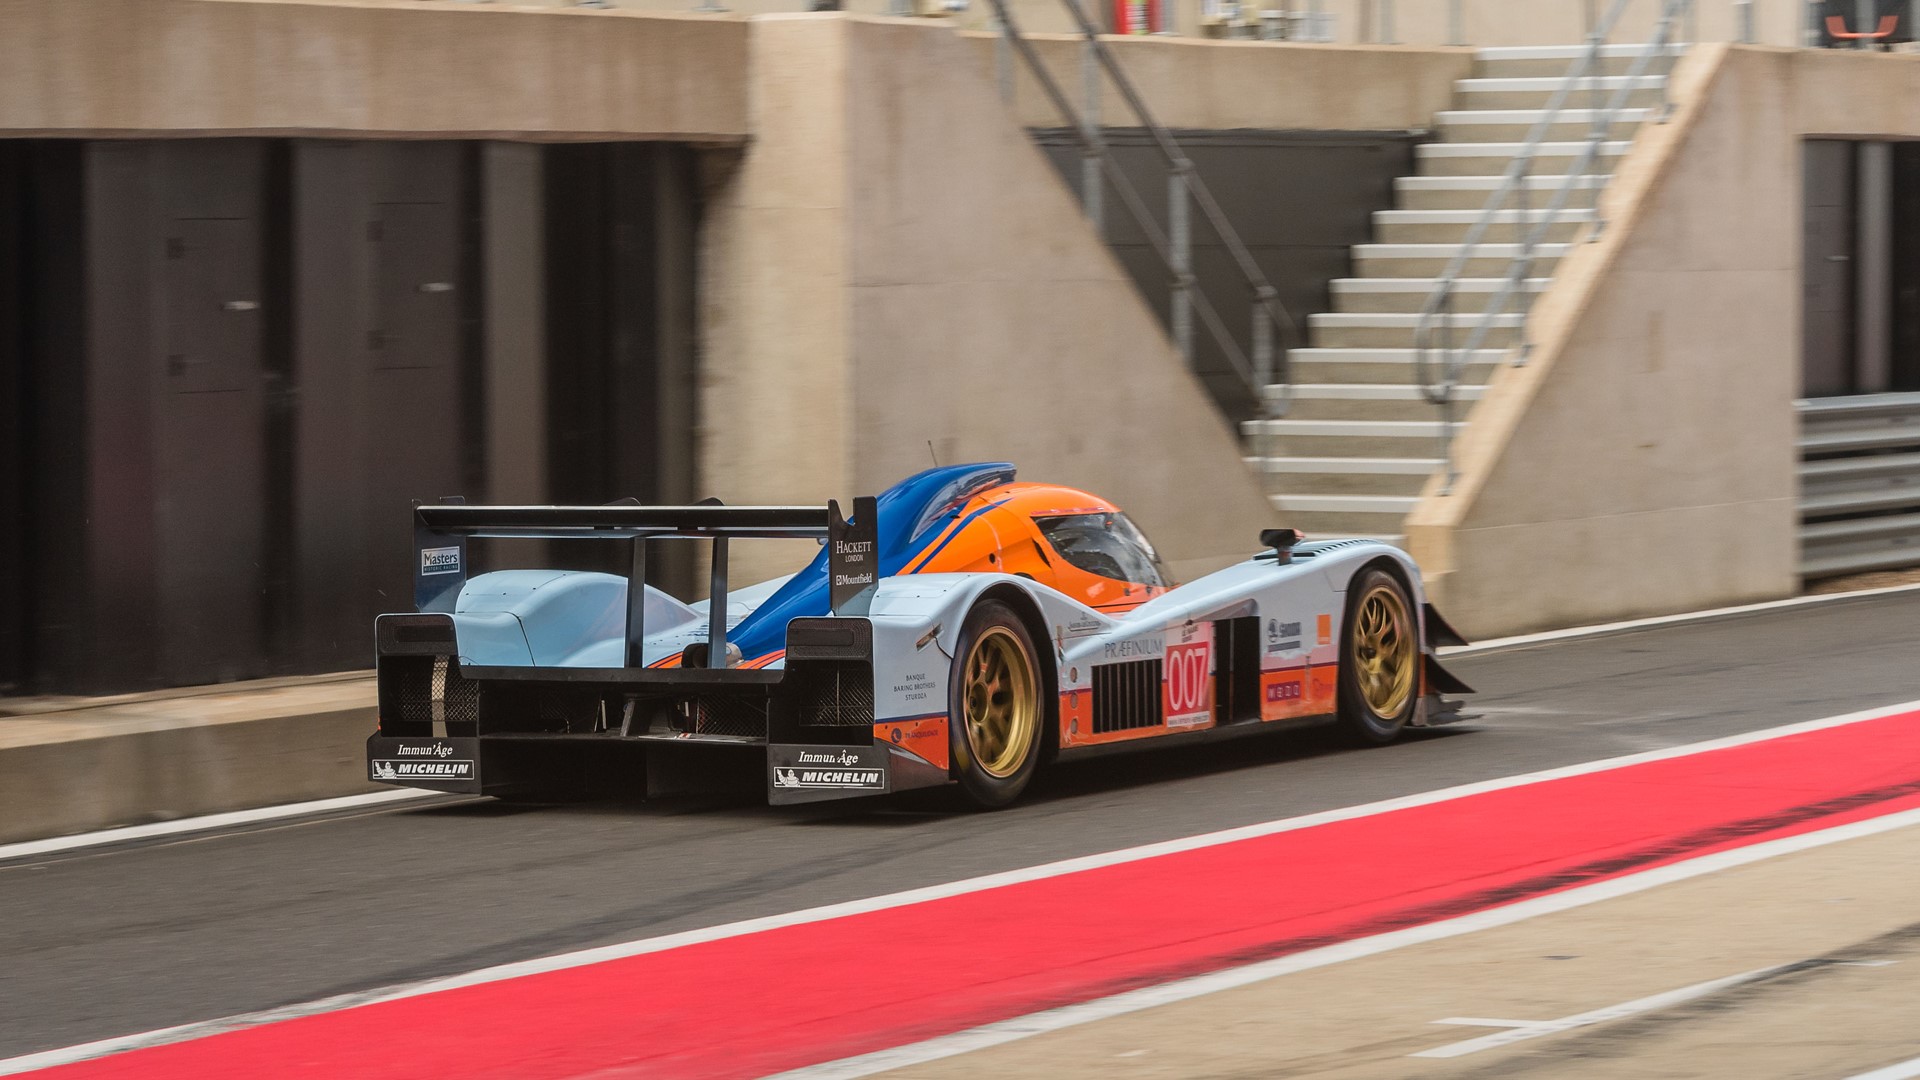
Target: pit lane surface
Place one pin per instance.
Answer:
(106, 942)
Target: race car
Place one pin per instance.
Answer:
(963, 628)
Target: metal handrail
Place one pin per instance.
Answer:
(1436, 315)
(1259, 372)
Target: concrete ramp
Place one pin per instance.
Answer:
(1644, 460)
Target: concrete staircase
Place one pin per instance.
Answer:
(1360, 440)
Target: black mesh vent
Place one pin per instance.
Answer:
(1126, 696)
(406, 695)
(833, 693)
(459, 698)
(573, 713)
(417, 693)
(744, 717)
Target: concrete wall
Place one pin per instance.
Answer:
(1543, 22)
(1275, 86)
(114, 67)
(1643, 461)
(1407, 22)
(894, 263)
(776, 392)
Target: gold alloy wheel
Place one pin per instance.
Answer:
(1383, 654)
(1002, 714)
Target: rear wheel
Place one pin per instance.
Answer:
(1379, 658)
(995, 706)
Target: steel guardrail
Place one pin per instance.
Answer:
(1259, 372)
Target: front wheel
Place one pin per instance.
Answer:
(1379, 658)
(995, 706)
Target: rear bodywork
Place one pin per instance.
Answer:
(835, 682)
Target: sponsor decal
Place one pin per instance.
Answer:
(844, 757)
(925, 738)
(1121, 650)
(1282, 636)
(1283, 694)
(436, 750)
(794, 772)
(914, 687)
(1189, 680)
(1291, 689)
(1082, 625)
(853, 557)
(1323, 629)
(400, 770)
(856, 779)
(440, 560)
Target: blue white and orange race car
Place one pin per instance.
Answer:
(962, 628)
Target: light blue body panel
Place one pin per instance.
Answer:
(916, 616)
(559, 618)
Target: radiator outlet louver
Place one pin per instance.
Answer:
(1126, 696)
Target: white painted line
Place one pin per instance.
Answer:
(643, 946)
(1905, 1070)
(228, 820)
(1656, 621)
(1522, 1030)
(1007, 1031)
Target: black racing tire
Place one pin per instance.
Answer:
(1379, 658)
(996, 706)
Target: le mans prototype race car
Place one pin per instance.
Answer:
(961, 629)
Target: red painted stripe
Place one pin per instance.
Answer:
(798, 995)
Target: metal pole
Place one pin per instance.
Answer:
(1263, 348)
(1865, 13)
(1456, 23)
(1386, 23)
(1003, 60)
(1316, 22)
(1526, 258)
(1874, 275)
(637, 602)
(1743, 20)
(717, 605)
(1180, 241)
(1091, 185)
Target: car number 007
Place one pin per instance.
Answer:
(1187, 677)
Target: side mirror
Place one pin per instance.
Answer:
(1281, 541)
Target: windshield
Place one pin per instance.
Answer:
(1105, 544)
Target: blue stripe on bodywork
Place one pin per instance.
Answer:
(900, 509)
(922, 562)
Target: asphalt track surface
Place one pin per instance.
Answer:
(110, 941)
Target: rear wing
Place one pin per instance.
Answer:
(441, 531)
